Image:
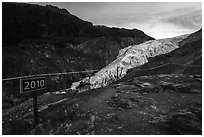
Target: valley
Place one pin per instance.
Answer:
(100, 80)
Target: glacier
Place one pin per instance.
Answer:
(129, 57)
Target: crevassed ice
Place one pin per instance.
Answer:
(131, 57)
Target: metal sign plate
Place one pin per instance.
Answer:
(32, 84)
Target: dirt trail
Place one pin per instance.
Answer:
(120, 119)
(99, 102)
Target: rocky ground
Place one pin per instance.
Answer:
(159, 104)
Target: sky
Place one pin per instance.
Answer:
(156, 19)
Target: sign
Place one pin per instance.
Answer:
(32, 84)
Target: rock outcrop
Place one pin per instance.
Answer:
(130, 57)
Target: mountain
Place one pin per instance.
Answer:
(27, 21)
(158, 97)
(46, 39)
(130, 57)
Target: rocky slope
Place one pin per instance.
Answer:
(41, 57)
(129, 57)
(45, 39)
(106, 47)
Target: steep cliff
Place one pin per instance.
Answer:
(130, 57)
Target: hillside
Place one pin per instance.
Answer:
(146, 105)
(46, 39)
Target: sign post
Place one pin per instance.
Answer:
(117, 77)
(35, 108)
(32, 85)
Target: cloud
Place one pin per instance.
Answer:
(159, 24)
(192, 20)
(174, 23)
(168, 23)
